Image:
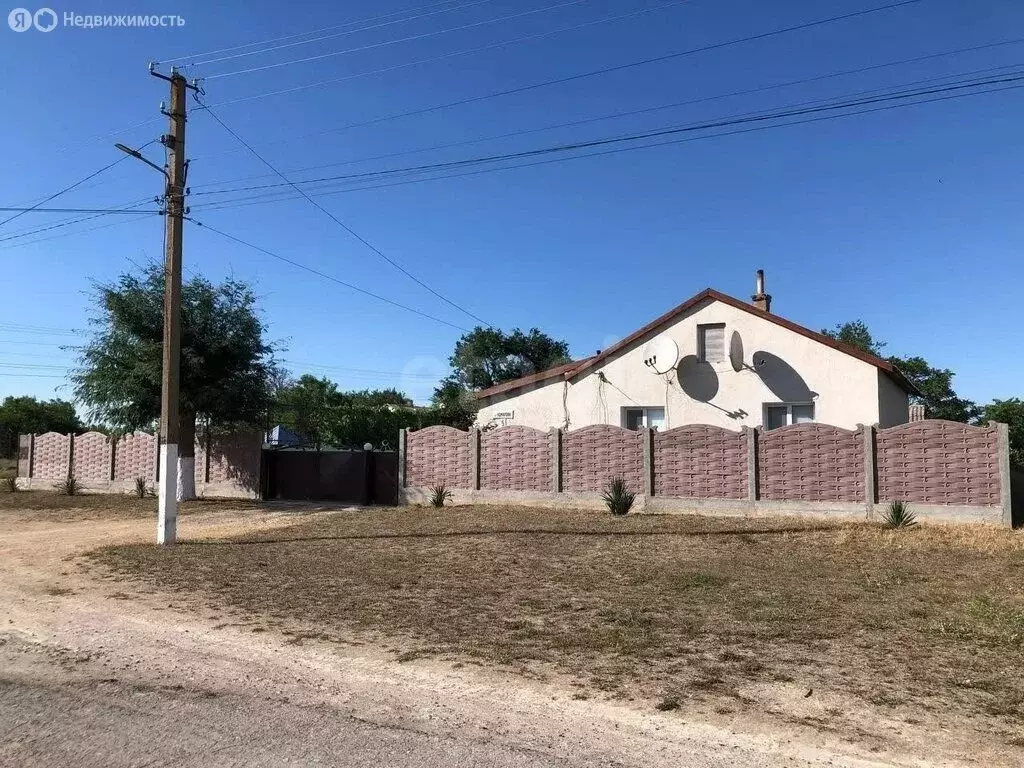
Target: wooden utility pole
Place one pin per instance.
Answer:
(174, 141)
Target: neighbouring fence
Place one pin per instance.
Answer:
(225, 465)
(945, 470)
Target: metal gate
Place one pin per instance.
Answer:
(344, 475)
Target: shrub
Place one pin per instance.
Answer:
(898, 515)
(140, 487)
(70, 487)
(10, 484)
(618, 497)
(439, 495)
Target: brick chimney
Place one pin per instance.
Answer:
(761, 299)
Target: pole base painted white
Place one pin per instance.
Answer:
(167, 510)
(186, 478)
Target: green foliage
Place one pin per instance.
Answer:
(898, 515)
(856, 334)
(10, 484)
(487, 356)
(1011, 413)
(140, 487)
(70, 487)
(936, 385)
(28, 415)
(227, 366)
(439, 495)
(618, 498)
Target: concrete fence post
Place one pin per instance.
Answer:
(31, 455)
(156, 458)
(474, 459)
(71, 454)
(1005, 490)
(870, 471)
(113, 456)
(753, 490)
(402, 435)
(556, 460)
(648, 438)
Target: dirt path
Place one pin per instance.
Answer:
(89, 676)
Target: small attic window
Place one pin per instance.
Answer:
(711, 342)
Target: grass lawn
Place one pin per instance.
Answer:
(674, 608)
(30, 506)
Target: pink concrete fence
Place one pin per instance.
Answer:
(934, 463)
(226, 462)
(811, 462)
(699, 461)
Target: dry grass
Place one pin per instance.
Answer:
(29, 506)
(667, 607)
(8, 468)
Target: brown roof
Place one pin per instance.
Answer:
(534, 378)
(575, 369)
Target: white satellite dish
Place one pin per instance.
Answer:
(661, 355)
(736, 351)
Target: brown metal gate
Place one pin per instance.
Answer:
(349, 476)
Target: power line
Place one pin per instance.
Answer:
(359, 370)
(593, 73)
(69, 234)
(794, 111)
(193, 57)
(258, 199)
(68, 222)
(441, 57)
(324, 275)
(396, 41)
(598, 118)
(343, 225)
(36, 209)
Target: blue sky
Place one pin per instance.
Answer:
(908, 219)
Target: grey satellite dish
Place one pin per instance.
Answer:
(736, 352)
(661, 355)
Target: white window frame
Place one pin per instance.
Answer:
(701, 351)
(789, 412)
(646, 418)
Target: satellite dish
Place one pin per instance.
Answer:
(661, 355)
(736, 351)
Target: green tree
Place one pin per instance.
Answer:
(28, 415)
(227, 365)
(1011, 413)
(308, 407)
(856, 334)
(487, 356)
(935, 384)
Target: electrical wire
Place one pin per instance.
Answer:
(593, 73)
(343, 225)
(584, 121)
(384, 43)
(193, 57)
(259, 199)
(453, 54)
(68, 222)
(792, 111)
(77, 232)
(324, 275)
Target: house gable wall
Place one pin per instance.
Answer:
(845, 391)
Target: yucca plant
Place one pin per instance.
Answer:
(439, 495)
(140, 487)
(11, 484)
(898, 515)
(70, 487)
(618, 497)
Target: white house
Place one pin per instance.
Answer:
(715, 360)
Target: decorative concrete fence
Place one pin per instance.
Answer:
(226, 465)
(944, 470)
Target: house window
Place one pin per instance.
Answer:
(783, 414)
(711, 343)
(639, 418)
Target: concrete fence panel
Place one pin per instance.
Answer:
(52, 456)
(592, 456)
(515, 458)
(234, 460)
(134, 457)
(939, 462)
(699, 461)
(811, 462)
(91, 459)
(437, 455)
